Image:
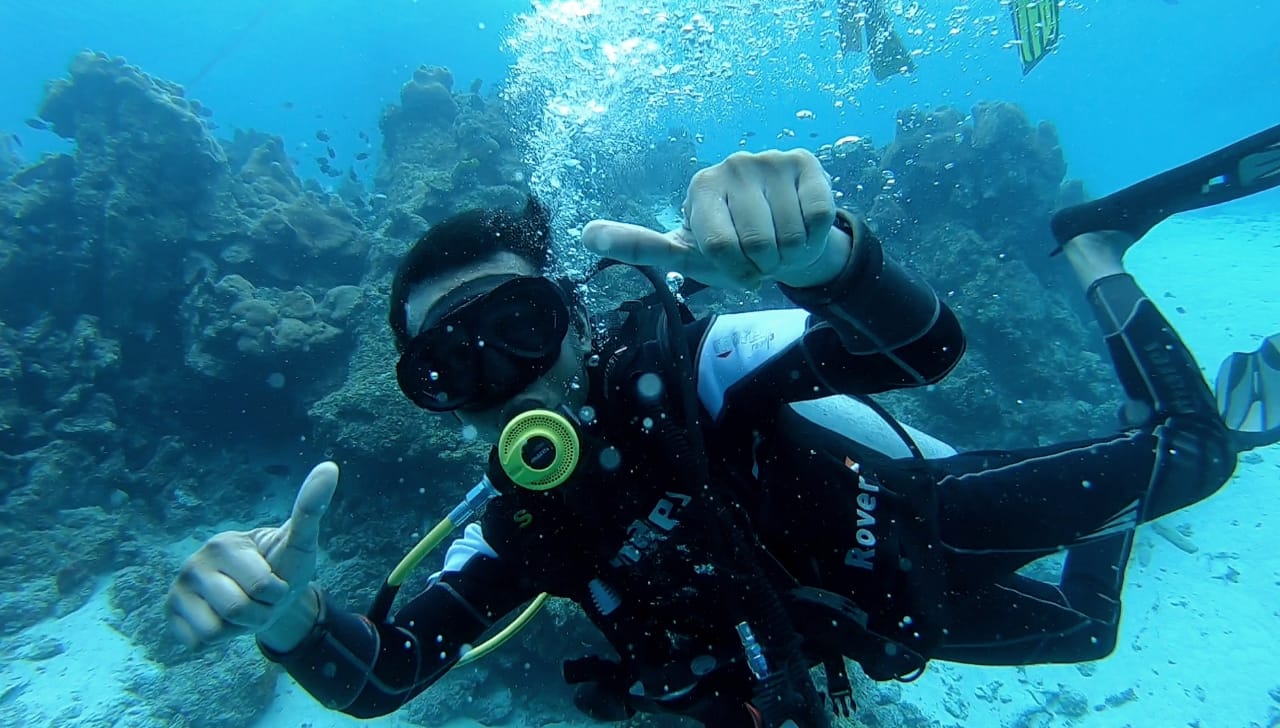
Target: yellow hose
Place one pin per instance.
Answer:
(428, 544)
(506, 633)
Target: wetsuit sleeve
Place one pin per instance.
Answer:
(353, 665)
(876, 327)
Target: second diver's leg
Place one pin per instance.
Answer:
(1181, 452)
(999, 511)
(1018, 620)
(1193, 452)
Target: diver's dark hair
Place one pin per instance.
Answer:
(463, 239)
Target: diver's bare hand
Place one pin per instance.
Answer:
(750, 218)
(245, 581)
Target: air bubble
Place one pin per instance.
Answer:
(610, 459)
(649, 386)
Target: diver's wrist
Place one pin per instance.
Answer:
(828, 265)
(295, 622)
(841, 240)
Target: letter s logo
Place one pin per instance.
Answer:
(522, 518)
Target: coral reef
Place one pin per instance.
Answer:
(171, 160)
(9, 160)
(443, 154)
(966, 201)
(188, 324)
(232, 320)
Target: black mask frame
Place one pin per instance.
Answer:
(488, 347)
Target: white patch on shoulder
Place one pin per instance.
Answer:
(463, 550)
(737, 344)
(860, 423)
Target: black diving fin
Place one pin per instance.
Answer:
(886, 52)
(1248, 391)
(889, 56)
(1035, 23)
(1241, 169)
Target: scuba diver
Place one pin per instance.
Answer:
(674, 478)
(886, 53)
(1036, 28)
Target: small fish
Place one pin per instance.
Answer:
(813, 135)
(362, 135)
(333, 172)
(352, 176)
(748, 134)
(277, 469)
(362, 156)
(332, 154)
(322, 135)
(322, 161)
(287, 104)
(37, 124)
(16, 139)
(205, 112)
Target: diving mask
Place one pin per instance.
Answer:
(486, 348)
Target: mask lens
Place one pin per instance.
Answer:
(440, 369)
(529, 322)
(487, 349)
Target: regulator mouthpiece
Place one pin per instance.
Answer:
(539, 449)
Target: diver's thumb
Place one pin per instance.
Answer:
(302, 530)
(635, 244)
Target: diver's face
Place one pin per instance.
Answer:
(563, 384)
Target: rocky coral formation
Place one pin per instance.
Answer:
(9, 160)
(279, 230)
(993, 167)
(138, 225)
(59, 367)
(966, 200)
(233, 320)
(171, 159)
(445, 152)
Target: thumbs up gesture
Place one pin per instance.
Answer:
(244, 582)
(748, 219)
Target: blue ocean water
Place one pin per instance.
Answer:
(1136, 87)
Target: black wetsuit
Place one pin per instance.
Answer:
(801, 522)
